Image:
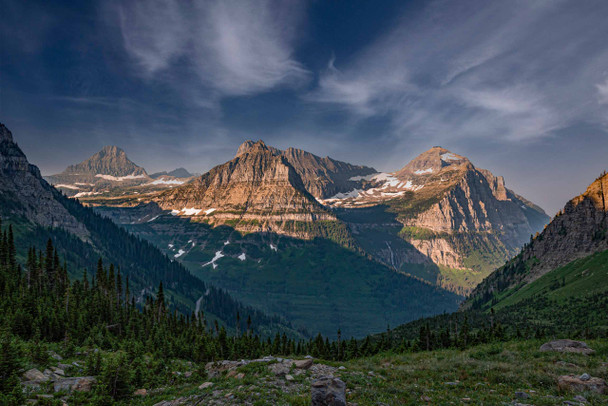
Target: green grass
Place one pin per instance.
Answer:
(586, 276)
(488, 374)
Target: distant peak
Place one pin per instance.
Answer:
(249, 146)
(432, 160)
(111, 150)
(5, 133)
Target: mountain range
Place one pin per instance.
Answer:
(297, 276)
(261, 223)
(284, 230)
(439, 218)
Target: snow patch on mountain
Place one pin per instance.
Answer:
(448, 156)
(72, 187)
(218, 255)
(180, 253)
(167, 182)
(242, 257)
(366, 177)
(352, 193)
(423, 171)
(119, 178)
(191, 212)
(82, 194)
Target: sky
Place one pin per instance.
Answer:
(519, 87)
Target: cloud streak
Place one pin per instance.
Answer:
(501, 70)
(234, 48)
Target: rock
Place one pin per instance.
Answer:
(239, 376)
(580, 398)
(425, 398)
(574, 384)
(281, 368)
(584, 377)
(55, 356)
(75, 384)
(205, 385)
(187, 374)
(328, 391)
(140, 392)
(308, 357)
(341, 367)
(521, 395)
(303, 363)
(451, 383)
(288, 378)
(58, 371)
(35, 375)
(231, 373)
(578, 347)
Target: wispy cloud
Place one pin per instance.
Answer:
(602, 91)
(233, 47)
(504, 70)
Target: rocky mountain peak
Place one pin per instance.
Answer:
(111, 150)
(24, 193)
(5, 134)
(432, 161)
(255, 146)
(110, 160)
(597, 193)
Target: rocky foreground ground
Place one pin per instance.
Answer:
(562, 372)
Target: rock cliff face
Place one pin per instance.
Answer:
(325, 177)
(580, 229)
(577, 231)
(258, 190)
(25, 193)
(322, 177)
(452, 213)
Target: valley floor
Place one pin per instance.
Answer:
(508, 373)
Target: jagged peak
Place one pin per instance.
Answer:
(5, 133)
(253, 146)
(111, 150)
(433, 160)
(110, 160)
(597, 191)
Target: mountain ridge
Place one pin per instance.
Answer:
(579, 230)
(440, 218)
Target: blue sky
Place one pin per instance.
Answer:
(520, 87)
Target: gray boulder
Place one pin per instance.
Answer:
(328, 391)
(571, 383)
(75, 384)
(35, 375)
(567, 346)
